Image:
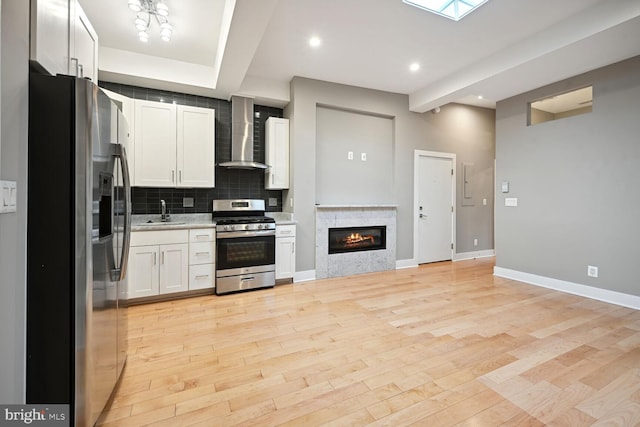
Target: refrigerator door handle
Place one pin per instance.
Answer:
(120, 152)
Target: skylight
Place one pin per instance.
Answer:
(452, 9)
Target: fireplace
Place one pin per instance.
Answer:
(355, 239)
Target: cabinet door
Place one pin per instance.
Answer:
(277, 153)
(142, 273)
(155, 144)
(83, 46)
(174, 268)
(285, 257)
(50, 35)
(125, 104)
(196, 147)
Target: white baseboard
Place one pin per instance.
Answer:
(304, 276)
(476, 254)
(604, 295)
(406, 263)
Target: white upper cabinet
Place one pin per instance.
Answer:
(174, 145)
(125, 104)
(196, 147)
(50, 35)
(277, 154)
(83, 47)
(155, 144)
(62, 39)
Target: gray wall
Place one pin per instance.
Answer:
(14, 50)
(465, 131)
(576, 182)
(343, 181)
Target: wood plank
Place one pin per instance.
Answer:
(441, 344)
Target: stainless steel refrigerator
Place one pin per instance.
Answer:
(77, 245)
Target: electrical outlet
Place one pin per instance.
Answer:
(273, 201)
(592, 271)
(187, 202)
(475, 242)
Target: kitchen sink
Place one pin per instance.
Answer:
(154, 223)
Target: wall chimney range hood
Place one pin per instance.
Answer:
(242, 135)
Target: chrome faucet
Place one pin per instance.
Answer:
(164, 216)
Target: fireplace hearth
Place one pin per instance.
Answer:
(356, 239)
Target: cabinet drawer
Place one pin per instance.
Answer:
(285, 230)
(164, 237)
(201, 253)
(202, 235)
(201, 276)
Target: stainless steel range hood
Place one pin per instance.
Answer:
(242, 135)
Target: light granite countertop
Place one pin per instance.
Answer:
(177, 222)
(282, 218)
(187, 221)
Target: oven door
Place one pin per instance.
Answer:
(242, 252)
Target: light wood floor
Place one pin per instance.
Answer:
(439, 345)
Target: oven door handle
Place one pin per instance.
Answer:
(242, 233)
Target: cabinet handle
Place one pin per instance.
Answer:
(155, 259)
(202, 276)
(285, 232)
(272, 178)
(81, 69)
(293, 248)
(162, 259)
(202, 236)
(180, 176)
(173, 176)
(77, 63)
(202, 253)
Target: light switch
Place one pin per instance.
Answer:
(350, 155)
(511, 201)
(505, 186)
(363, 157)
(7, 196)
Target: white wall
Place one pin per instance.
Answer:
(343, 181)
(576, 182)
(13, 226)
(466, 131)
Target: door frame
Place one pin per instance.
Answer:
(416, 233)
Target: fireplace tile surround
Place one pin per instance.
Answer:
(345, 264)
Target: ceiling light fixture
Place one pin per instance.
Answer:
(146, 10)
(414, 67)
(315, 41)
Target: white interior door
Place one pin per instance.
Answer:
(434, 208)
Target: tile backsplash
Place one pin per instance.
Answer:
(230, 183)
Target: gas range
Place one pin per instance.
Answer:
(245, 246)
(241, 215)
(245, 223)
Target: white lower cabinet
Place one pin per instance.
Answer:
(143, 273)
(202, 258)
(158, 263)
(174, 273)
(285, 251)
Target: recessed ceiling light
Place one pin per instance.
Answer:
(414, 67)
(479, 96)
(315, 41)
